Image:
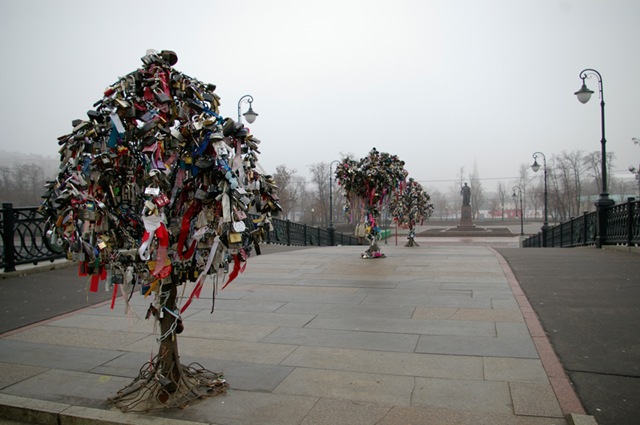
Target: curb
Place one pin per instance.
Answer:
(31, 269)
(53, 413)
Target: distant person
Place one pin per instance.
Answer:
(465, 191)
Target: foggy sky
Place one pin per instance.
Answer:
(445, 85)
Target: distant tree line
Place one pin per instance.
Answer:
(22, 184)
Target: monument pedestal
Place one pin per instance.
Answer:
(465, 218)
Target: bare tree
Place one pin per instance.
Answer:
(287, 189)
(320, 181)
(501, 197)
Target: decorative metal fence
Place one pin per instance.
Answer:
(622, 228)
(24, 238)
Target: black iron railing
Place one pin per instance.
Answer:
(622, 228)
(24, 238)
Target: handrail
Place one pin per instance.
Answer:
(24, 239)
(622, 228)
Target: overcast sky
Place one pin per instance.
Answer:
(442, 84)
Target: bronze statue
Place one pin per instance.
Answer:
(465, 191)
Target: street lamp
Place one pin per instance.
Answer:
(535, 167)
(515, 199)
(635, 170)
(250, 115)
(584, 94)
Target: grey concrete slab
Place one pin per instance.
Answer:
(404, 326)
(12, 373)
(54, 356)
(279, 318)
(463, 395)
(248, 408)
(427, 300)
(513, 369)
(344, 339)
(345, 412)
(389, 363)
(534, 399)
(225, 349)
(356, 386)
(77, 337)
(341, 310)
(440, 416)
(70, 386)
(477, 346)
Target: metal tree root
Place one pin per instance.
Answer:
(152, 391)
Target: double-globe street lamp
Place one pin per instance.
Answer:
(535, 167)
(515, 199)
(584, 94)
(250, 115)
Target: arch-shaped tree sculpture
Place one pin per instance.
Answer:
(411, 205)
(367, 185)
(153, 193)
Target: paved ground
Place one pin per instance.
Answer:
(588, 301)
(438, 334)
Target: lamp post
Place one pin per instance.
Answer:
(584, 94)
(331, 229)
(535, 167)
(635, 170)
(515, 199)
(250, 115)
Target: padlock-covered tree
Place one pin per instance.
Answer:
(156, 190)
(409, 206)
(368, 185)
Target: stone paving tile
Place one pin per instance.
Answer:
(97, 322)
(90, 338)
(253, 318)
(68, 386)
(409, 326)
(534, 399)
(54, 356)
(12, 373)
(435, 416)
(473, 314)
(366, 387)
(509, 369)
(392, 363)
(477, 346)
(247, 408)
(344, 339)
(226, 331)
(345, 412)
(427, 300)
(341, 310)
(225, 349)
(467, 394)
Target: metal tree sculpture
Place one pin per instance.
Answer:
(153, 193)
(367, 184)
(411, 205)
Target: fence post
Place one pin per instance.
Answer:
(288, 225)
(585, 230)
(7, 238)
(629, 220)
(304, 233)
